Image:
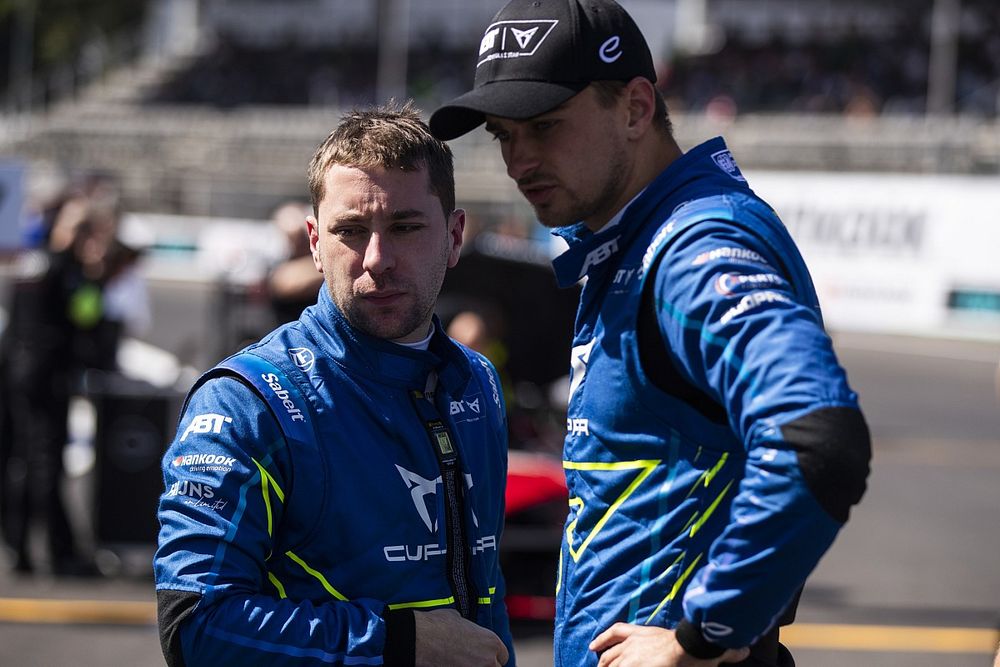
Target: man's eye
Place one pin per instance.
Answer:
(500, 136)
(407, 227)
(543, 125)
(347, 232)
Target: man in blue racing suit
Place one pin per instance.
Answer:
(334, 493)
(713, 447)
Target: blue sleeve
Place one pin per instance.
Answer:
(747, 337)
(226, 473)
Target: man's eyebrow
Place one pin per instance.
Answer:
(493, 128)
(407, 214)
(349, 216)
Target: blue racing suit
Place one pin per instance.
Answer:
(713, 444)
(300, 518)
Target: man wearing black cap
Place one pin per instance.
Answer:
(714, 447)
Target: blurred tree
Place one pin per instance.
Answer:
(48, 39)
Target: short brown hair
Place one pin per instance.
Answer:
(608, 93)
(388, 136)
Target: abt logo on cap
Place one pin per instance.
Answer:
(514, 39)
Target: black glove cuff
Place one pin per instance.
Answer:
(694, 643)
(400, 638)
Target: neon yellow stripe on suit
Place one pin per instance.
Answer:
(319, 575)
(711, 508)
(420, 604)
(277, 584)
(707, 476)
(274, 484)
(266, 483)
(423, 603)
(646, 467)
(489, 600)
(267, 496)
(677, 587)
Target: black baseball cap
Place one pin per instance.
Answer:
(536, 54)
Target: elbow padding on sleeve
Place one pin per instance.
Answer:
(834, 450)
(172, 607)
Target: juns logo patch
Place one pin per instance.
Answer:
(514, 39)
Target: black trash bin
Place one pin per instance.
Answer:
(134, 423)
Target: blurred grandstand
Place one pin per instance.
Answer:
(220, 110)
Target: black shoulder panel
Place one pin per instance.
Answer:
(834, 449)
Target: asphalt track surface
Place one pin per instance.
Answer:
(913, 579)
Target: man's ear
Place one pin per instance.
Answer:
(640, 100)
(456, 234)
(312, 228)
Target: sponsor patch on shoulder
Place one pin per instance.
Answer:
(730, 254)
(204, 462)
(727, 163)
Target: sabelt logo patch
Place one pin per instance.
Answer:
(514, 39)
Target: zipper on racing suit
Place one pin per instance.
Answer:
(458, 556)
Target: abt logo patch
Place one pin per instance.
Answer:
(599, 255)
(206, 423)
(513, 39)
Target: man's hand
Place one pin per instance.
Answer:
(445, 639)
(626, 645)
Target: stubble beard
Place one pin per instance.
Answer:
(400, 321)
(377, 325)
(584, 209)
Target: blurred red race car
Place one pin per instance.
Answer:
(529, 553)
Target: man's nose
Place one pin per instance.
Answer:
(522, 157)
(378, 254)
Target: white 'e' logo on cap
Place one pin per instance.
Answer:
(610, 50)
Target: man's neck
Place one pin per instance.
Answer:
(651, 158)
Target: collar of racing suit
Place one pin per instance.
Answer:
(394, 364)
(589, 252)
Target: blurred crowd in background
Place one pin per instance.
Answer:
(856, 74)
(75, 291)
(853, 69)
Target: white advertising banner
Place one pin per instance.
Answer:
(912, 254)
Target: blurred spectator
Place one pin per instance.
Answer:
(481, 330)
(70, 302)
(470, 329)
(292, 284)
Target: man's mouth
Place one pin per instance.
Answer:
(538, 193)
(383, 297)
